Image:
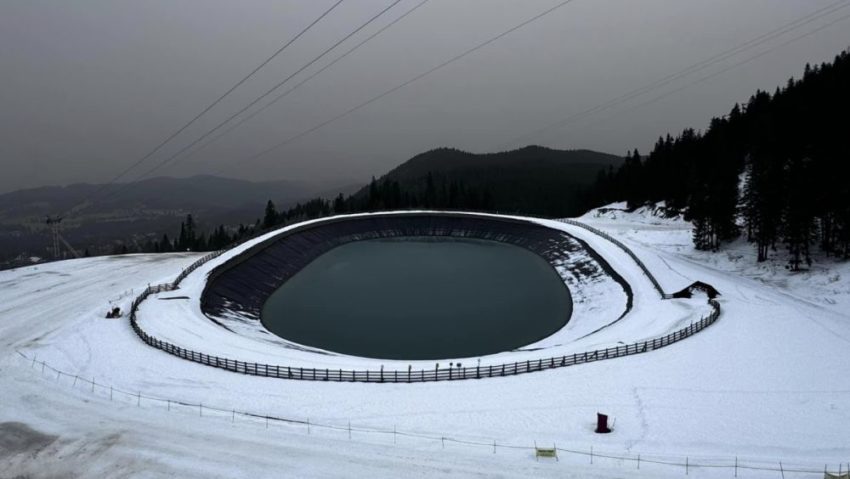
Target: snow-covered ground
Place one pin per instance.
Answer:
(598, 303)
(766, 383)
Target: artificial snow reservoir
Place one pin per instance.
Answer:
(409, 286)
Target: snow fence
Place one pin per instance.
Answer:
(409, 375)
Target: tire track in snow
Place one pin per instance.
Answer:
(644, 423)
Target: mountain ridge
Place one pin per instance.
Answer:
(532, 179)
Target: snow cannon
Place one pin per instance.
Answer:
(602, 424)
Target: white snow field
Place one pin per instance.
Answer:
(767, 383)
(598, 302)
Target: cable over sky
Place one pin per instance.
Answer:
(106, 95)
(209, 107)
(715, 59)
(411, 80)
(268, 92)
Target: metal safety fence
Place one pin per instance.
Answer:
(410, 375)
(687, 464)
(623, 247)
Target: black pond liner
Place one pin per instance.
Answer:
(242, 284)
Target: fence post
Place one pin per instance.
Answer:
(591, 454)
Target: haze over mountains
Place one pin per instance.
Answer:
(529, 179)
(140, 211)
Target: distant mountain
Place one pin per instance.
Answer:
(197, 192)
(531, 180)
(534, 179)
(140, 211)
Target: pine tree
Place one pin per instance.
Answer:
(339, 204)
(270, 218)
(165, 245)
(191, 234)
(181, 239)
(798, 216)
(633, 182)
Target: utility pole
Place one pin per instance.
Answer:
(55, 223)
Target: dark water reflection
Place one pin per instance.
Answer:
(420, 298)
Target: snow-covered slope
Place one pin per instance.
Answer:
(766, 383)
(598, 303)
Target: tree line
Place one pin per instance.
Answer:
(386, 194)
(774, 169)
(381, 195)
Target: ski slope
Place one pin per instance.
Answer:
(766, 383)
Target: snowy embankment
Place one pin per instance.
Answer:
(599, 302)
(766, 383)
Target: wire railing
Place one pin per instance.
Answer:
(192, 267)
(686, 464)
(410, 375)
(623, 247)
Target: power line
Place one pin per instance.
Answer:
(738, 64)
(408, 82)
(313, 75)
(268, 92)
(699, 66)
(208, 107)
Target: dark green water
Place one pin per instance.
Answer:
(420, 298)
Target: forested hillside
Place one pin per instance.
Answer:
(532, 180)
(774, 169)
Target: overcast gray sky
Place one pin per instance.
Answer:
(88, 87)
